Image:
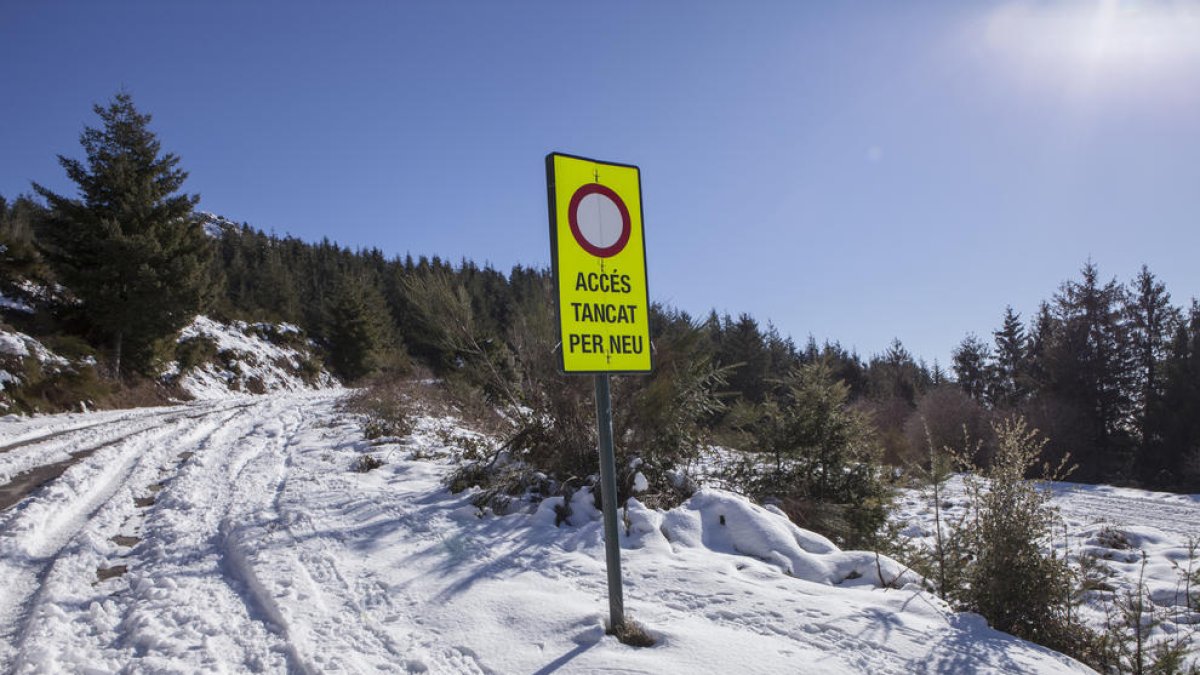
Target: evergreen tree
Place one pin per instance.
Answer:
(846, 366)
(781, 355)
(1152, 322)
(19, 258)
(1090, 367)
(895, 375)
(743, 349)
(819, 456)
(937, 375)
(129, 247)
(1041, 335)
(971, 360)
(1007, 381)
(1180, 445)
(360, 330)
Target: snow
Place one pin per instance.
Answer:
(640, 484)
(20, 344)
(214, 225)
(13, 344)
(248, 361)
(14, 305)
(1120, 527)
(15, 347)
(247, 544)
(25, 296)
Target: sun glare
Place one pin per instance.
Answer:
(1100, 42)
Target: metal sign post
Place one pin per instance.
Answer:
(608, 490)
(603, 301)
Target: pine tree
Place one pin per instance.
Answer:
(1090, 366)
(1181, 393)
(1041, 336)
(895, 375)
(743, 348)
(360, 331)
(782, 355)
(970, 363)
(937, 375)
(19, 258)
(819, 456)
(129, 247)
(1152, 322)
(1007, 381)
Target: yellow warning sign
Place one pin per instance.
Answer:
(599, 257)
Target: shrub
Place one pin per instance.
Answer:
(662, 419)
(550, 446)
(385, 409)
(1131, 617)
(997, 561)
(816, 456)
(310, 369)
(195, 352)
(942, 417)
(70, 347)
(53, 386)
(366, 463)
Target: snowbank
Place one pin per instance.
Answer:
(17, 344)
(725, 523)
(248, 358)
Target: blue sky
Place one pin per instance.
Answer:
(854, 171)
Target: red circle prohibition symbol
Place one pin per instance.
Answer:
(593, 214)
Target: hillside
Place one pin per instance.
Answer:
(214, 360)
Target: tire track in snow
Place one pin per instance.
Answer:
(37, 465)
(34, 536)
(197, 571)
(239, 538)
(335, 614)
(119, 421)
(332, 618)
(1126, 509)
(122, 419)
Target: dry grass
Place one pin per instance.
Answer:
(391, 403)
(366, 463)
(632, 633)
(141, 393)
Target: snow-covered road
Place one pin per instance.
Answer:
(231, 536)
(1083, 504)
(55, 545)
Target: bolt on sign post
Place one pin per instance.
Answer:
(603, 302)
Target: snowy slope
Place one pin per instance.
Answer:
(230, 536)
(249, 358)
(22, 359)
(15, 349)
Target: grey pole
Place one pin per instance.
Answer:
(608, 490)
